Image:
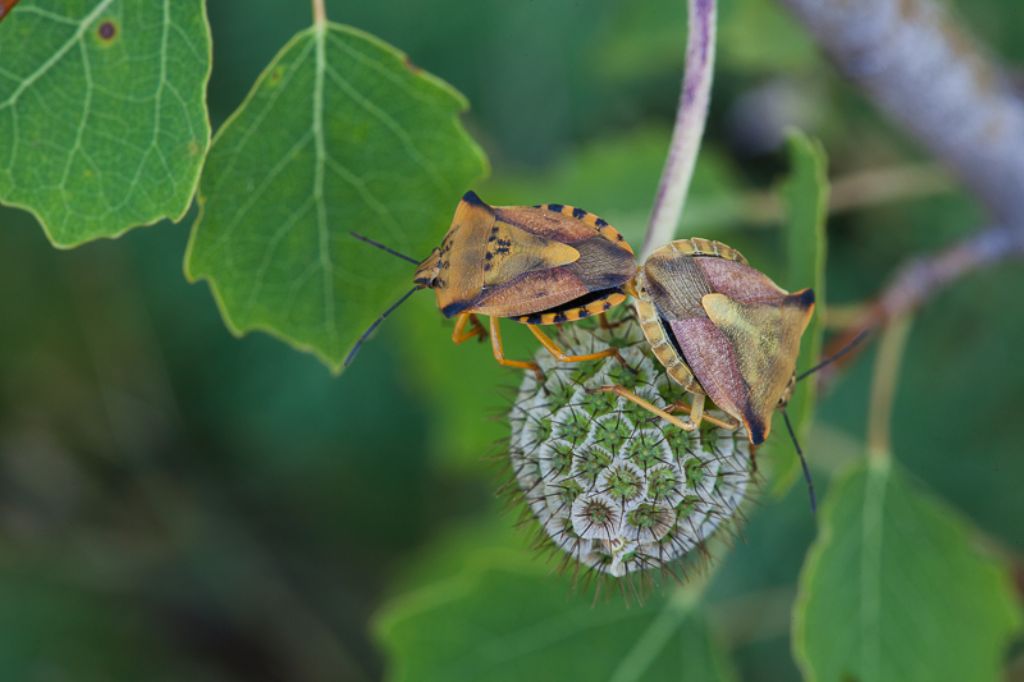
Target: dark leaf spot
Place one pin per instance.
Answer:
(107, 30)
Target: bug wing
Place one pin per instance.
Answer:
(513, 252)
(482, 254)
(728, 324)
(764, 342)
(739, 281)
(547, 257)
(545, 223)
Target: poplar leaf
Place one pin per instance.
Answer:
(340, 134)
(509, 620)
(895, 590)
(103, 123)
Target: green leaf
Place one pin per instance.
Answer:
(103, 123)
(805, 198)
(893, 589)
(340, 133)
(505, 619)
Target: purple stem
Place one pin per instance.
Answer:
(922, 68)
(921, 278)
(689, 126)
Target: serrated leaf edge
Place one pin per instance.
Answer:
(335, 365)
(197, 173)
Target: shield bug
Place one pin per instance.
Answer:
(538, 265)
(722, 329)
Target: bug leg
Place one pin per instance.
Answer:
(602, 320)
(697, 409)
(633, 397)
(460, 335)
(475, 323)
(560, 355)
(697, 414)
(499, 353)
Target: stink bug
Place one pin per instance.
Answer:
(538, 265)
(722, 329)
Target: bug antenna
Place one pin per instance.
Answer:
(803, 462)
(386, 249)
(835, 356)
(376, 323)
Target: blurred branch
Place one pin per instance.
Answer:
(877, 186)
(689, 127)
(924, 70)
(858, 190)
(924, 277)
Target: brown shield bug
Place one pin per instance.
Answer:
(723, 330)
(538, 265)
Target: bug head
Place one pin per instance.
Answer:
(429, 271)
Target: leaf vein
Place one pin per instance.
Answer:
(318, 184)
(392, 125)
(55, 58)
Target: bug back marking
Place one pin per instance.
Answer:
(587, 306)
(512, 252)
(765, 340)
(460, 277)
(697, 246)
(587, 218)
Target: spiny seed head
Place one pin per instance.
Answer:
(614, 486)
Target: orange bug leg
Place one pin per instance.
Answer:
(460, 335)
(633, 397)
(697, 414)
(560, 355)
(499, 353)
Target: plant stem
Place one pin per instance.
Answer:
(883, 389)
(689, 127)
(922, 67)
(924, 277)
(854, 191)
(319, 13)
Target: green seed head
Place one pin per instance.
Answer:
(614, 486)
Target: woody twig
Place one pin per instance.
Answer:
(923, 69)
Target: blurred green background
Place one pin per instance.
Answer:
(177, 504)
